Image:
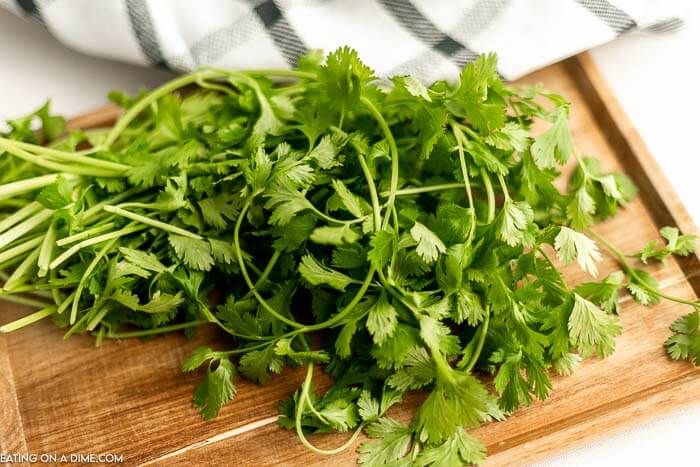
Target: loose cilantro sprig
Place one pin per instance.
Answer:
(398, 234)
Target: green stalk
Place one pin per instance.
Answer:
(481, 336)
(330, 219)
(84, 234)
(9, 147)
(490, 197)
(97, 318)
(29, 319)
(129, 229)
(28, 225)
(265, 272)
(20, 249)
(144, 103)
(632, 273)
(87, 275)
(301, 405)
(372, 193)
(56, 294)
(155, 331)
(424, 189)
(20, 215)
(10, 190)
(504, 187)
(22, 270)
(65, 156)
(98, 208)
(463, 165)
(393, 150)
(152, 222)
(22, 300)
(66, 303)
(46, 251)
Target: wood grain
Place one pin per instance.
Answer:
(130, 397)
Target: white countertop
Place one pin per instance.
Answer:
(654, 76)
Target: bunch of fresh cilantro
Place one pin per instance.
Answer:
(400, 235)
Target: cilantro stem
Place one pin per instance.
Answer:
(481, 335)
(65, 303)
(29, 319)
(20, 215)
(265, 272)
(84, 234)
(97, 319)
(463, 164)
(424, 189)
(299, 413)
(281, 73)
(246, 276)
(632, 273)
(504, 187)
(152, 222)
(318, 213)
(249, 348)
(393, 150)
(20, 249)
(20, 153)
(9, 190)
(144, 103)
(359, 295)
(46, 250)
(28, 225)
(88, 274)
(372, 192)
(490, 196)
(97, 208)
(129, 229)
(154, 331)
(26, 301)
(25, 267)
(13, 203)
(65, 156)
(56, 294)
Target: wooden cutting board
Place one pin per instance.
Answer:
(130, 398)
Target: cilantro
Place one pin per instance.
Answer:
(677, 244)
(591, 329)
(216, 389)
(685, 341)
(316, 274)
(395, 232)
(429, 245)
(572, 245)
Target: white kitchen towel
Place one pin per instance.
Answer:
(430, 39)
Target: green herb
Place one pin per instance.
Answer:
(407, 224)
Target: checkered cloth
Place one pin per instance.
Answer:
(430, 39)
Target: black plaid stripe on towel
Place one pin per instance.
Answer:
(430, 39)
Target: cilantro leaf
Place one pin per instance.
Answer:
(341, 235)
(554, 146)
(514, 223)
(391, 440)
(381, 319)
(195, 253)
(217, 388)
(591, 329)
(429, 244)
(315, 273)
(685, 341)
(572, 245)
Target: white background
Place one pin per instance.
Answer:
(654, 76)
